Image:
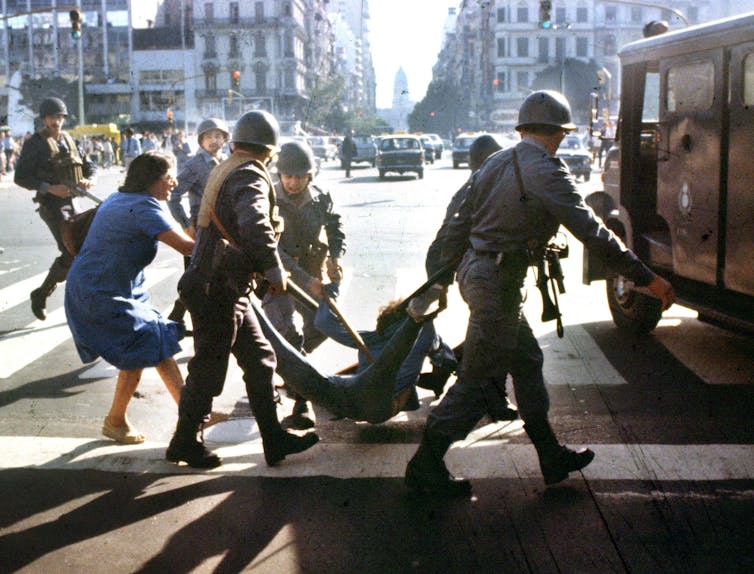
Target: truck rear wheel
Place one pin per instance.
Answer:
(631, 311)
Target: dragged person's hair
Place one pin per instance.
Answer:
(145, 169)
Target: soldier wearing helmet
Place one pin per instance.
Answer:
(307, 211)
(212, 134)
(52, 163)
(236, 240)
(517, 202)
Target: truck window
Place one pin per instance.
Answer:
(749, 80)
(651, 111)
(691, 87)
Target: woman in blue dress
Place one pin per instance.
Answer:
(108, 310)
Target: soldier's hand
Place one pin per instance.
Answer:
(316, 289)
(663, 290)
(190, 231)
(86, 183)
(334, 270)
(60, 190)
(278, 288)
(419, 306)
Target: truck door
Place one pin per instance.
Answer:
(689, 160)
(739, 207)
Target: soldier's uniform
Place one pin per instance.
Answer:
(44, 162)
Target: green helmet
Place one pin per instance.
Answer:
(52, 107)
(546, 107)
(257, 127)
(296, 158)
(211, 124)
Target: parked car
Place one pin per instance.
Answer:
(438, 143)
(366, 151)
(324, 147)
(429, 149)
(401, 154)
(574, 153)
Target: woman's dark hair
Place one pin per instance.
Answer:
(146, 169)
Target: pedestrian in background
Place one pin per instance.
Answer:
(52, 163)
(130, 147)
(236, 238)
(348, 151)
(308, 219)
(517, 202)
(107, 307)
(213, 135)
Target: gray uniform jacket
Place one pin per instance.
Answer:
(498, 216)
(301, 248)
(191, 180)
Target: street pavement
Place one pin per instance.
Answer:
(670, 490)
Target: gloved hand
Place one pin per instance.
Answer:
(419, 305)
(334, 270)
(278, 288)
(663, 290)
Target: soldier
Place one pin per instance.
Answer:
(52, 164)
(236, 238)
(213, 134)
(306, 211)
(348, 150)
(517, 202)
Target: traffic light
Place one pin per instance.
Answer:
(170, 118)
(236, 78)
(545, 18)
(75, 17)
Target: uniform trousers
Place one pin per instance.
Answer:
(498, 341)
(53, 210)
(225, 323)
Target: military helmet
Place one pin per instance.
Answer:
(546, 107)
(211, 124)
(257, 127)
(296, 158)
(52, 107)
(480, 149)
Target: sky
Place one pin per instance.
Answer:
(405, 33)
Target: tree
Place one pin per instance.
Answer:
(33, 91)
(442, 111)
(576, 80)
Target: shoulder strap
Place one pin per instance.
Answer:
(519, 179)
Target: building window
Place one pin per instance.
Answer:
(501, 47)
(233, 52)
(290, 79)
(501, 81)
(260, 45)
(560, 49)
(582, 15)
(260, 79)
(544, 50)
(637, 16)
(522, 81)
(611, 46)
(209, 11)
(691, 87)
(582, 47)
(560, 15)
(210, 82)
(259, 11)
(210, 48)
(611, 14)
(287, 10)
(288, 44)
(501, 15)
(522, 14)
(234, 13)
(522, 47)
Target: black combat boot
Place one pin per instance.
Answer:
(299, 418)
(555, 460)
(278, 445)
(436, 380)
(185, 447)
(178, 312)
(426, 471)
(39, 297)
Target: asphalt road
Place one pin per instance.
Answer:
(669, 416)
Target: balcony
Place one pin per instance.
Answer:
(236, 23)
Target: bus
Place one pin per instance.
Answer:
(678, 181)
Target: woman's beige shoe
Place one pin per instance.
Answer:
(124, 435)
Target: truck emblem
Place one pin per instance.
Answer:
(684, 199)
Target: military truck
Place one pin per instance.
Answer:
(678, 183)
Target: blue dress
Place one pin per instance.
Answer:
(107, 308)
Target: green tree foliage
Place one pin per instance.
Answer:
(576, 80)
(442, 111)
(33, 91)
(326, 111)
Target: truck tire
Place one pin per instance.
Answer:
(382, 174)
(632, 312)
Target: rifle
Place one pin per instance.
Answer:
(552, 277)
(79, 191)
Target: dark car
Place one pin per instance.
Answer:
(429, 149)
(573, 152)
(438, 143)
(366, 150)
(400, 154)
(461, 147)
